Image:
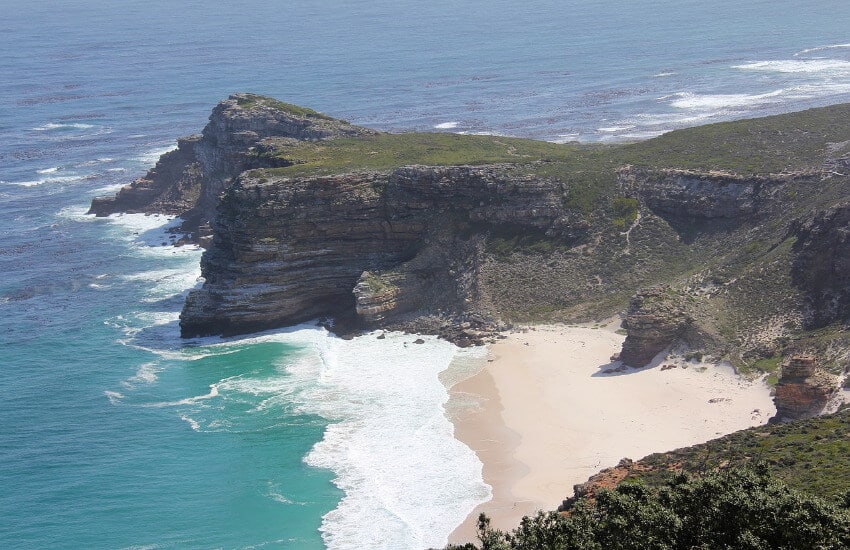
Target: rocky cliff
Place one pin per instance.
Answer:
(822, 265)
(655, 320)
(743, 225)
(381, 244)
(803, 390)
(706, 195)
(188, 181)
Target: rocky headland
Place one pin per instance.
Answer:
(728, 240)
(189, 180)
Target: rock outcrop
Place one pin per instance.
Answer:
(173, 186)
(188, 181)
(803, 390)
(382, 244)
(655, 319)
(711, 195)
(821, 265)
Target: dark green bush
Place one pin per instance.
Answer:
(742, 508)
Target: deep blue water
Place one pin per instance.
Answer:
(115, 433)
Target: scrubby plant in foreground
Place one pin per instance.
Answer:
(742, 508)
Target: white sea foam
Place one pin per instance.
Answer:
(145, 374)
(614, 129)
(191, 421)
(109, 189)
(149, 158)
(50, 170)
(63, 126)
(165, 282)
(275, 494)
(718, 102)
(149, 318)
(113, 396)
(670, 120)
(76, 213)
(822, 49)
(446, 125)
(483, 133)
(566, 138)
(663, 75)
(641, 135)
(829, 67)
(821, 89)
(139, 223)
(148, 232)
(95, 162)
(277, 497)
(408, 483)
(42, 181)
(213, 393)
(156, 275)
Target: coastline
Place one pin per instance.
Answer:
(549, 415)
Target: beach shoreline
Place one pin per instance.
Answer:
(551, 409)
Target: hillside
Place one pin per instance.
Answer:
(728, 240)
(811, 455)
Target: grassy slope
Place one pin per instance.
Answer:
(388, 151)
(773, 144)
(809, 455)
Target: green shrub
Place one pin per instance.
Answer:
(742, 508)
(625, 209)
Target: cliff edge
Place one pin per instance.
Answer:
(188, 181)
(726, 240)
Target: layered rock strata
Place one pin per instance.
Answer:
(691, 194)
(655, 320)
(188, 181)
(822, 265)
(290, 250)
(803, 390)
(173, 186)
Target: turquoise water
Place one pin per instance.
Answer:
(117, 434)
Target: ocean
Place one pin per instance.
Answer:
(118, 434)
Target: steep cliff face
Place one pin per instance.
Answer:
(655, 319)
(704, 195)
(173, 186)
(822, 265)
(803, 390)
(189, 180)
(289, 250)
(323, 218)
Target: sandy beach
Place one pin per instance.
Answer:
(552, 411)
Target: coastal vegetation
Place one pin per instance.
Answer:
(769, 487)
(741, 508)
(250, 101)
(811, 455)
(388, 151)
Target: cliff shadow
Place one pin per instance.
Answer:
(618, 368)
(690, 229)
